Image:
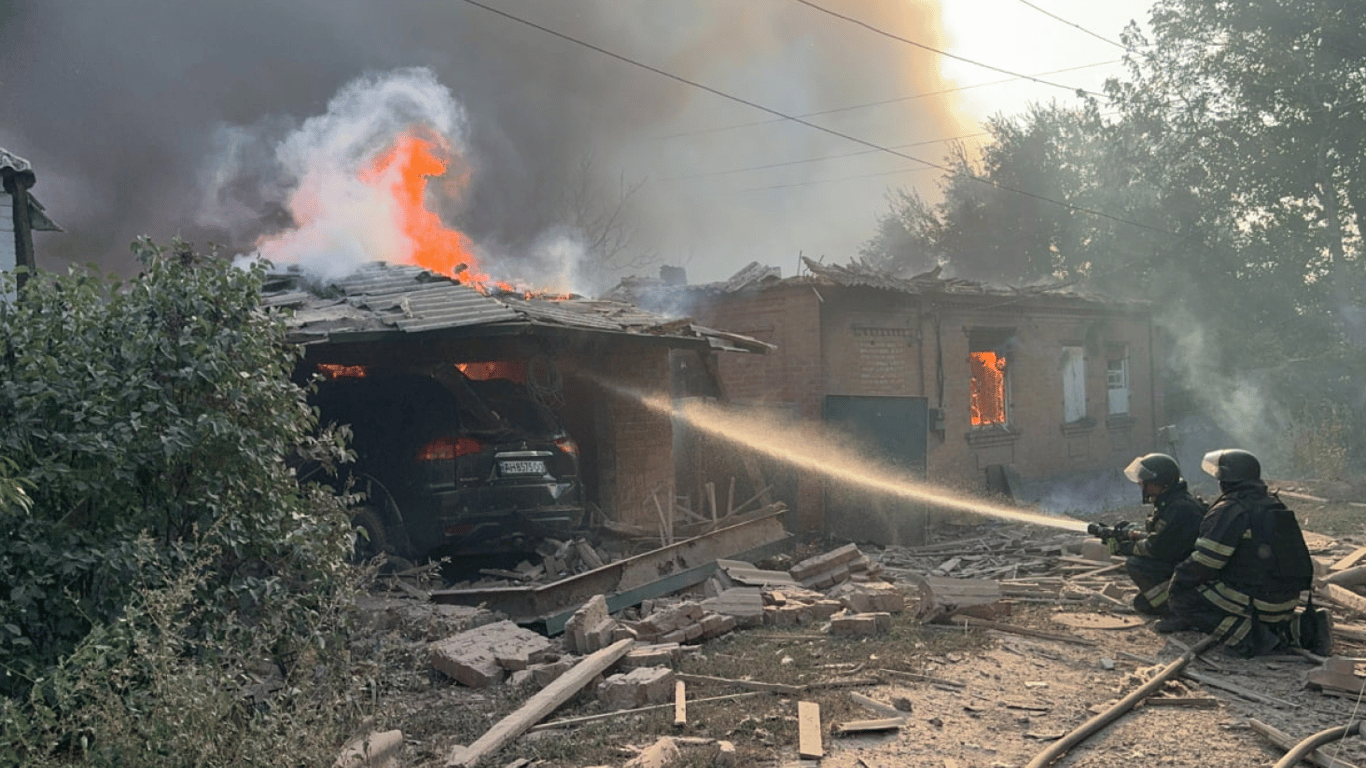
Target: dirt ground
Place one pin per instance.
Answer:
(1010, 695)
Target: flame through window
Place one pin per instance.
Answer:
(988, 388)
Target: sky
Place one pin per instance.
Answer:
(712, 133)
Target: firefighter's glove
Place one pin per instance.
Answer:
(1120, 544)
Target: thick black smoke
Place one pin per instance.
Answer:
(123, 106)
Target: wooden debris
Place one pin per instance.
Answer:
(1349, 561)
(1214, 682)
(1341, 596)
(874, 705)
(809, 746)
(870, 726)
(538, 706)
(752, 685)
(680, 703)
(1348, 577)
(918, 677)
(1337, 674)
(572, 721)
(1182, 701)
(661, 754)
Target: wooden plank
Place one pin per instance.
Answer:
(870, 726)
(1287, 742)
(618, 713)
(1182, 701)
(809, 731)
(1348, 577)
(1350, 560)
(873, 705)
(1343, 597)
(680, 703)
(751, 685)
(538, 706)
(1336, 673)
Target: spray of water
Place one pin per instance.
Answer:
(817, 450)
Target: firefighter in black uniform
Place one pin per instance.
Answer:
(1244, 578)
(1167, 537)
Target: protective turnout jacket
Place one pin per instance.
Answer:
(1172, 526)
(1250, 559)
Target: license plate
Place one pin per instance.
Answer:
(521, 467)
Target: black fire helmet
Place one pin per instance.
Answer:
(1232, 465)
(1157, 468)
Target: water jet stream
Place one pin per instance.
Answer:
(813, 447)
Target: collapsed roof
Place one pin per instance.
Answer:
(382, 301)
(858, 273)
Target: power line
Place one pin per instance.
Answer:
(786, 163)
(883, 102)
(821, 158)
(1055, 17)
(838, 178)
(795, 119)
(922, 46)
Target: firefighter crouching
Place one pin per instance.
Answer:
(1167, 537)
(1250, 563)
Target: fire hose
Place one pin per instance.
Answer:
(1079, 734)
(1317, 740)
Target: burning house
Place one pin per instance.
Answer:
(966, 385)
(570, 374)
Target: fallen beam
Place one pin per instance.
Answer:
(538, 706)
(628, 582)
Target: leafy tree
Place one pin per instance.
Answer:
(150, 423)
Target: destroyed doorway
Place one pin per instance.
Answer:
(894, 431)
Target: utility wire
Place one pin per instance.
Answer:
(882, 102)
(786, 163)
(838, 178)
(922, 46)
(1056, 17)
(821, 158)
(801, 121)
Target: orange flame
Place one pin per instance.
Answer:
(404, 171)
(987, 384)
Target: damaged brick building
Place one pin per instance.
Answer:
(970, 386)
(589, 361)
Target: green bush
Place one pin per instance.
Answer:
(152, 518)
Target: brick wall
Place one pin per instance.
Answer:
(627, 447)
(854, 341)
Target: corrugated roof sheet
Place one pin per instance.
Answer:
(389, 298)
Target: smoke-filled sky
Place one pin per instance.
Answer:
(168, 117)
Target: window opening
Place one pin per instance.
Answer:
(1073, 384)
(1117, 383)
(988, 365)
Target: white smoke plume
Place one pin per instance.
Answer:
(340, 220)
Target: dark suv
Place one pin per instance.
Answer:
(453, 465)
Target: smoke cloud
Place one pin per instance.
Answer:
(163, 118)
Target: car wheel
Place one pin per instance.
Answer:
(371, 541)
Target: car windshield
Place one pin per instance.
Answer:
(517, 408)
